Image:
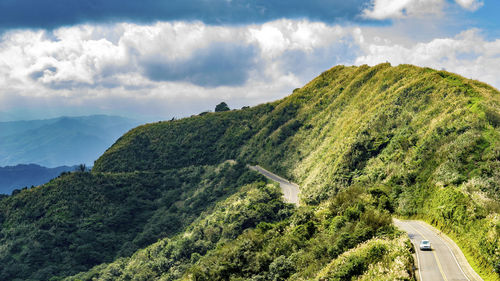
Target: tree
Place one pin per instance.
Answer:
(221, 107)
(82, 168)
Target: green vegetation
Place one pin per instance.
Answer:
(254, 235)
(364, 143)
(82, 219)
(377, 259)
(221, 107)
(421, 136)
(302, 245)
(200, 140)
(169, 258)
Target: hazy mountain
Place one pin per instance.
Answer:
(59, 141)
(5, 117)
(16, 177)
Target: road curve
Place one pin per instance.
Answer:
(445, 261)
(290, 189)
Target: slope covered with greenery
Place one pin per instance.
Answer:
(255, 236)
(170, 257)
(364, 143)
(427, 139)
(82, 219)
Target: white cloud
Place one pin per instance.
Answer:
(468, 54)
(177, 68)
(470, 5)
(393, 9)
(276, 37)
(156, 67)
(388, 9)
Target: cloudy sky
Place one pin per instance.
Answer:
(158, 59)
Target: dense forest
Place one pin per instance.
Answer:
(364, 143)
(82, 219)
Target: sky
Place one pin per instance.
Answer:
(158, 59)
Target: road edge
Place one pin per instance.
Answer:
(416, 260)
(455, 250)
(460, 258)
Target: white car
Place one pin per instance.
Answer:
(425, 245)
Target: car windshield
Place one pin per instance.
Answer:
(425, 242)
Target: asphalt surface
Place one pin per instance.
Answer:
(290, 189)
(445, 261)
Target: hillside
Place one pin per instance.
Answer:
(81, 219)
(427, 139)
(59, 141)
(19, 176)
(364, 143)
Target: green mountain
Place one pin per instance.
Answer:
(81, 219)
(20, 176)
(364, 143)
(59, 141)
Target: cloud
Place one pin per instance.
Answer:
(57, 13)
(170, 69)
(148, 68)
(468, 54)
(470, 5)
(208, 56)
(394, 9)
(216, 65)
(276, 37)
(386, 9)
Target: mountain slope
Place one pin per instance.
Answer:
(168, 259)
(81, 219)
(59, 141)
(428, 139)
(364, 143)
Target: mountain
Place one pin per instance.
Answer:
(364, 143)
(60, 141)
(4, 117)
(19, 176)
(81, 219)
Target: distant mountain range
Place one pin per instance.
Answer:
(4, 117)
(19, 176)
(63, 141)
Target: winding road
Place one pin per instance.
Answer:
(290, 189)
(445, 261)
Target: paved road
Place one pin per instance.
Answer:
(290, 189)
(445, 261)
